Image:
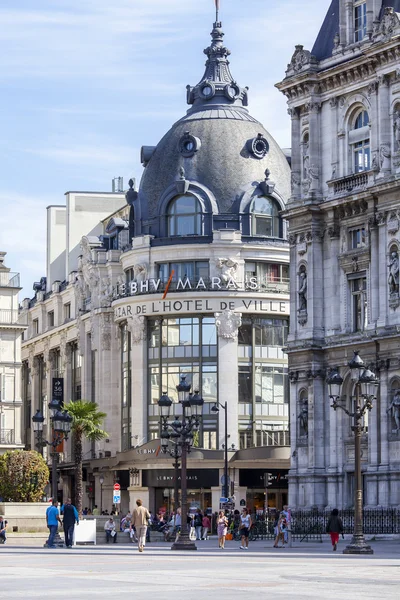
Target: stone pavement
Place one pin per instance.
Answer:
(305, 572)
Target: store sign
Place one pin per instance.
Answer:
(196, 478)
(209, 305)
(214, 284)
(256, 478)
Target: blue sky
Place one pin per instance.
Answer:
(86, 83)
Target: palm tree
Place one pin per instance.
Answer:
(86, 422)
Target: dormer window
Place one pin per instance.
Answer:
(360, 143)
(265, 217)
(184, 216)
(360, 21)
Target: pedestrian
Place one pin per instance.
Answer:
(334, 527)
(70, 517)
(198, 523)
(3, 529)
(140, 518)
(52, 520)
(222, 528)
(287, 514)
(96, 511)
(85, 511)
(281, 528)
(206, 526)
(109, 528)
(245, 525)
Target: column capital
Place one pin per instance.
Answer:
(228, 323)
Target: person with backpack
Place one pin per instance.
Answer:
(334, 527)
(70, 517)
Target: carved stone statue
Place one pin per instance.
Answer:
(137, 328)
(394, 407)
(106, 292)
(228, 323)
(140, 272)
(228, 268)
(393, 279)
(302, 291)
(303, 417)
(396, 127)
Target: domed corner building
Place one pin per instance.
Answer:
(200, 290)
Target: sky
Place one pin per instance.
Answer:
(85, 83)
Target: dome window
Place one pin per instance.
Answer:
(184, 216)
(265, 220)
(188, 145)
(231, 91)
(207, 91)
(258, 146)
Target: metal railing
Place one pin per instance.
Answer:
(12, 316)
(8, 279)
(7, 436)
(276, 438)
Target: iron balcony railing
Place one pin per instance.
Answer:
(12, 316)
(350, 183)
(7, 436)
(8, 279)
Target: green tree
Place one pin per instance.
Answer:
(23, 476)
(86, 424)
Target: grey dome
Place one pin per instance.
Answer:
(224, 163)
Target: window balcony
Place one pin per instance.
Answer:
(7, 436)
(10, 316)
(357, 182)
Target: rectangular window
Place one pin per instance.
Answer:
(50, 318)
(359, 297)
(191, 270)
(358, 238)
(360, 21)
(67, 312)
(245, 384)
(271, 384)
(362, 156)
(268, 274)
(35, 326)
(210, 440)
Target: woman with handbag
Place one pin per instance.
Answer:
(222, 528)
(245, 525)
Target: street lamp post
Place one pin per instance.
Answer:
(179, 434)
(215, 408)
(61, 427)
(365, 382)
(101, 479)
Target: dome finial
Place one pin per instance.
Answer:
(216, 11)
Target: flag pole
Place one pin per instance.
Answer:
(216, 10)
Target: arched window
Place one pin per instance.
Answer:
(184, 216)
(359, 142)
(265, 217)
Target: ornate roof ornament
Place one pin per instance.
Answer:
(217, 86)
(301, 59)
(388, 26)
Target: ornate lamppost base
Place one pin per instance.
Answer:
(184, 544)
(358, 545)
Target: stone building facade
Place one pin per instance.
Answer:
(11, 329)
(189, 278)
(344, 102)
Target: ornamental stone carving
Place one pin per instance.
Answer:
(228, 323)
(105, 331)
(140, 272)
(300, 59)
(302, 316)
(137, 328)
(303, 417)
(228, 270)
(384, 156)
(106, 292)
(388, 26)
(393, 279)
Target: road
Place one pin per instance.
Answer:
(303, 572)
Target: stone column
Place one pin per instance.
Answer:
(296, 154)
(383, 271)
(139, 409)
(374, 117)
(374, 268)
(383, 483)
(385, 132)
(314, 172)
(334, 148)
(228, 323)
(332, 280)
(349, 6)
(34, 373)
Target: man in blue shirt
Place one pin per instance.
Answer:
(52, 519)
(71, 517)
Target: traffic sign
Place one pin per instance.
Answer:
(117, 486)
(223, 500)
(117, 497)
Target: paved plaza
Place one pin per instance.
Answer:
(306, 571)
